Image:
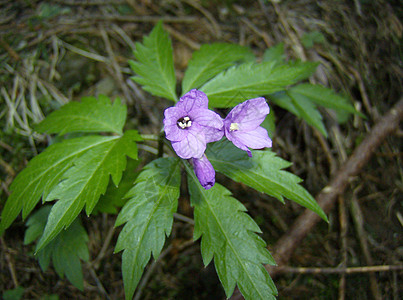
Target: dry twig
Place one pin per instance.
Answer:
(326, 198)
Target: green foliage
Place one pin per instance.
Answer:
(88, 171)
(307, 110)
(48, 11)
(148, 216)
(323, 96)
(311, 38)
(114, 196)
(269, 124)
(65, 250)
(75, 171)
(210, 60)
(252, 80)
(263, 172)
(154, 67)
(229, 235)
(14, 294)
(275, 53)
(85, 181)
(89, 115)
(302, 101)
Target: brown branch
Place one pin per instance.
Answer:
(351, 270)
(286, 245)
(326, 198)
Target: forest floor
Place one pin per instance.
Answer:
(52, 52)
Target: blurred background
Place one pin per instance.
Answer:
(53, 52)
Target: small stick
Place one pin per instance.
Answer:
(149, 272)
(351, 270)
(259, 32)
(343, 237)
(117, 70)
(10, 263)
(105, 246)
(207, 14)
(98, 283)
(358, 218)
(179, 36)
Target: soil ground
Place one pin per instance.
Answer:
(56, 51)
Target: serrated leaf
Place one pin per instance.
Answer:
(65, 251)
(308, 111)
(229, 235)
(154, 67)
(36, 224)
(263, 172)
(210, 60)
(148, 216)
(89, 115)
(43, 173)
(275, 53)
(114, 196)
(251, 80)
(323, 96)
(83, 183)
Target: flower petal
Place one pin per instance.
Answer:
(204, 172)
(172, 115)
(193, 99)
(172, 131)
(211, 122)
(255, 139)
(249, 114)
(192, 146)
(237, 142)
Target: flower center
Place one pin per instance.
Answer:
(184, 122)
(234, 127)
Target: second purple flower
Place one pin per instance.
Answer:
(242, 125)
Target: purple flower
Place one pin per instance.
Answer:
(190, 125)
(204, 171)
(242, 128)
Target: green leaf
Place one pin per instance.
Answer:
(154, 67)
(43, 173)
(263, 172)
(84, 182)
(14, 294)
(210, 60)
(324, 97)
(269, 123)
(284, 101)
(251, 80)
(307, 110)
(65, 250)
(229, 235)
(275, 53)
(301, 107)
(148, 216)
(89, 115)
(311, 38)
(36, 224)
(114, 196)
